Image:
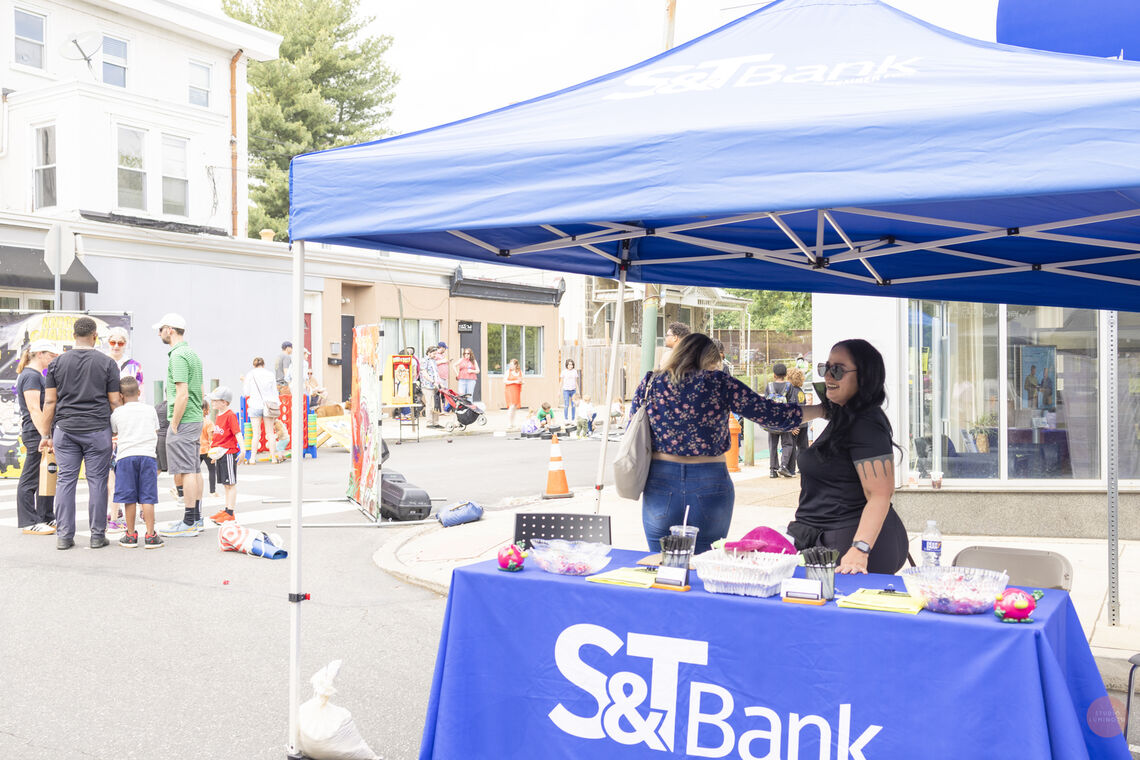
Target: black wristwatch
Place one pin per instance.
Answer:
(862, 546)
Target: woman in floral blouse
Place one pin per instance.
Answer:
(689, 402)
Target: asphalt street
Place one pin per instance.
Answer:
(183, 652)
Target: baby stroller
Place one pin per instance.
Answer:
(466, 412)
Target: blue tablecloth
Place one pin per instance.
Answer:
(537, 665)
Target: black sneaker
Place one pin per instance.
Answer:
(129, 541)
(98, 542)
(152, 541)
(64, 543)
(785, 472)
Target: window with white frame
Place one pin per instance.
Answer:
(29, 39)
(44, 162)
(506, 342)
(114, 61)
(199, 94)
(132, 168)
(175, 181)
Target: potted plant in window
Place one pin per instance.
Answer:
(985, 431)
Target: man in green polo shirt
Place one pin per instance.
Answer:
(184, 410)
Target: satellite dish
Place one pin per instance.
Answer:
(82, 47)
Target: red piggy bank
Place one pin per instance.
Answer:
(511, 558)
(1015, 606)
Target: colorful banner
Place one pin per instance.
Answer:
(364, 480)
(17, 331)
(398, 380)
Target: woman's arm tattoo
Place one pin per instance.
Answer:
(877, 466)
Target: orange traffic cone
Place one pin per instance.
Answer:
(556, 485)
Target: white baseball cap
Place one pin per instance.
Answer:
(221, 393)
(43, 344)
(170, 320)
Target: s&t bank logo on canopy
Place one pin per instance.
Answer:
(620, 714)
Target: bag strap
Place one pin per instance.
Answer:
(648, 390)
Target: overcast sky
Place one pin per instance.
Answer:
(458, 58)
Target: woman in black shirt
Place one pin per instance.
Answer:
(847, 477)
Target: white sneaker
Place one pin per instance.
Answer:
(40, 529)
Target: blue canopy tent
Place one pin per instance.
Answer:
(836, 146)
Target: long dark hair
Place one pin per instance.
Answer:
(870, 393)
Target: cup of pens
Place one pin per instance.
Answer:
(676, 551)
(819, 564)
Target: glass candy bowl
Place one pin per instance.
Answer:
(955, 590)
(569, 557)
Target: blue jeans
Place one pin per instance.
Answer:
(467, 388)
(568, 403)
(705, 488)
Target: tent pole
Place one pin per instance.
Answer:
(611, 381)
(1113, 474)
(297, 437)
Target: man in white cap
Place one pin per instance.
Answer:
(184, 411)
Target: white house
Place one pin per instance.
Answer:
(130, 108)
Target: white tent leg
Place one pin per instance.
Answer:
(1113, 474)
(611, 382)
(297, 438)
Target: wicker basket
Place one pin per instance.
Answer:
(744, 574)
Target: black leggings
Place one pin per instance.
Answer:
(888, 555)
(211, 468)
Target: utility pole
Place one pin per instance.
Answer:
(652, 299)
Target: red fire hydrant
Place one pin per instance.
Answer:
(732, 456)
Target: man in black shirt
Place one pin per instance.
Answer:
(82, 389)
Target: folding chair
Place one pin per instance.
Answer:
(1025, 567)
(571, 527)
(1135, 661)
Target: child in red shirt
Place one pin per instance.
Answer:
(225, 449)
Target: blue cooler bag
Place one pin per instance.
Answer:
(459, 513)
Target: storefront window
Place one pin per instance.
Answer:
(953, 389)
(1052, 397)
(1128, 393)
(419, 334)
(506, 342)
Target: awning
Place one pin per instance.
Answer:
(25, 269)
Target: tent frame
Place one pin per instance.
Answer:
(822, 256)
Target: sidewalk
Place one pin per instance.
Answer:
(427, 554)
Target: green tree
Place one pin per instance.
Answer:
(329, 87)
(771, 310)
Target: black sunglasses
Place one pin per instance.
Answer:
(837, 371)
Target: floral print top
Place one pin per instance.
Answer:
(692, 420)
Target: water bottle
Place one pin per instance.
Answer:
(931, 545)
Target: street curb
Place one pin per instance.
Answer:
(387, 560)
(387, 556)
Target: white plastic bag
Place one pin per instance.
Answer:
(328, 732)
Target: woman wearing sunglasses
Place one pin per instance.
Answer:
(847, 476)
(117, 343)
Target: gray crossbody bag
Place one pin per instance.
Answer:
(631, 468)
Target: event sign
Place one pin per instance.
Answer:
(398, 380)
(364, 478)
(17, 331)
